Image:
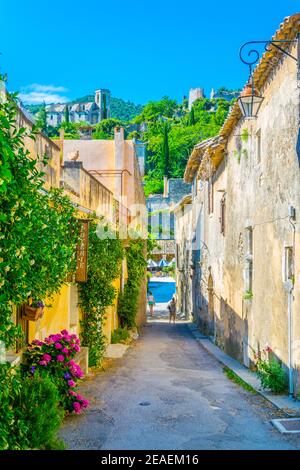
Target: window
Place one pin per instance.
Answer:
(249, 241)
(288, 264)
(210, 193)
(51, 117)
(222, 214)
(258, 146)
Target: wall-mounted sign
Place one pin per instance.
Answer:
(82, 251)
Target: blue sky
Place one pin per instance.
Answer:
(139, 49)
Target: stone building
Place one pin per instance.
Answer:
(89, 194)
(194, 94)
(161, 216)
(224, 94)
(116, 165)
(244, 243)
(92, 112)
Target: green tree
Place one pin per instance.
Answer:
(105, 128)
(41, 122)
(192, 117)
(67, 114)
(166, 151)
(155, 110)
(104, 111)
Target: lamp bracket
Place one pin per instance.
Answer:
(252, 57)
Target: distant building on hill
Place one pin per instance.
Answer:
(223, 93)
(194, 94)
(92, 112)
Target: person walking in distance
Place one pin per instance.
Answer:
(151, 303)
(172, 309)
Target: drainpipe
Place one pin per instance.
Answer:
(290, 342)
(290, 314)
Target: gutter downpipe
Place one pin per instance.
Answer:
(290, 318)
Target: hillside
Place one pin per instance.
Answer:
(120, 109)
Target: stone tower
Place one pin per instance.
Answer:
(102, 99)
(194, 94)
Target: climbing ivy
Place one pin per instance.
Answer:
(38, 230)
(136, 266)
(95, 295)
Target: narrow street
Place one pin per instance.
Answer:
(167, 392)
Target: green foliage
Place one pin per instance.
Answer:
(165, 151)
(136, 266)
(248, 295)
(170, 270)
(67, 114)
(71, 130)
(154, 110)
(41, 123)
(192, 117)
(152, 185)
(38, 407)
(245, 135)
(105, 128)
(272, 375)
(120, 335)
(54, 358)
(208, 117)
(95, 295)
(30, 415)
(235, 378)
(38, 231)
(13, 430)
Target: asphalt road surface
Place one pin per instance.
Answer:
(167, 392)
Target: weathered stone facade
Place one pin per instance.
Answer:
(246, 201)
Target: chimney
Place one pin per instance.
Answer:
(119, 134)
(166, 187)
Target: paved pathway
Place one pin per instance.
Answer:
(190, 403)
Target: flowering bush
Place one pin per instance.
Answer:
(55, 357)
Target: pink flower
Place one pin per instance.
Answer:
(71, 383)
(72, 393)
(58, 346)
(64, 332)
(43, 363)
(37, 342)
(77, 407)
(85, 403)
(60, 358)
(72, 363)
(47, 357)
(65, 351)
(79, 397)
(49, 340)
(76, 347)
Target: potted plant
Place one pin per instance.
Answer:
(34, 311)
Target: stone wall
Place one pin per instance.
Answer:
(243, 294)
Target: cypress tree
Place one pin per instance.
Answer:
(166, 152)
(192, 117)
(42, 119)
(67, 114)
(104, 112)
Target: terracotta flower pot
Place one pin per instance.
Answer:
(33, 313)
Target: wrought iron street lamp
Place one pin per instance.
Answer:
(250, 100)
